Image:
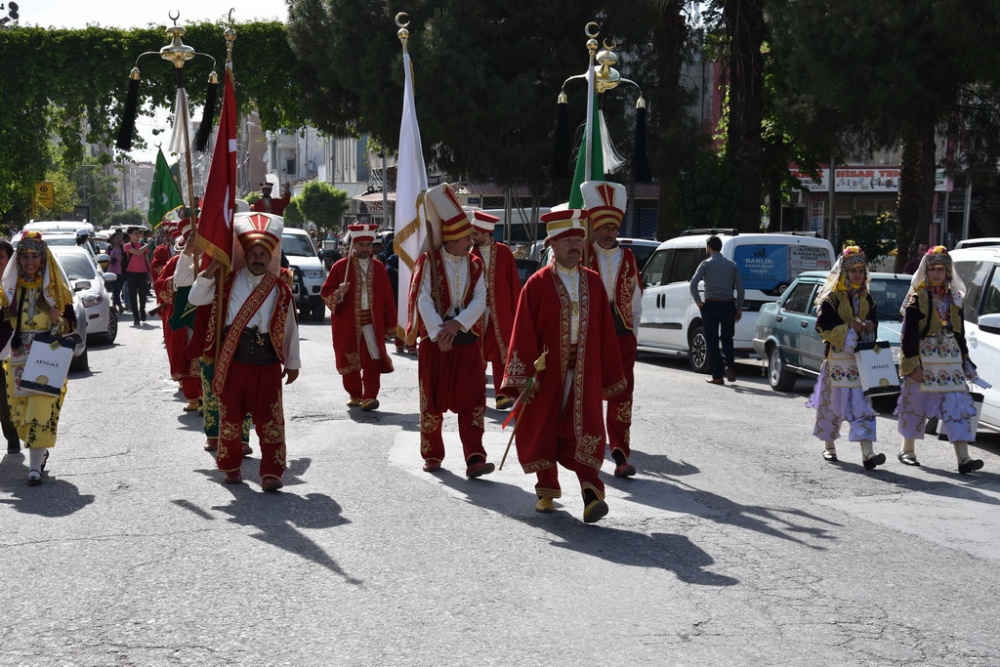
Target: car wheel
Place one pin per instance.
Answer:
(108, 337)
(778, 376)
(319, 313)
(305, 313)
(81, 363)
(699, 351)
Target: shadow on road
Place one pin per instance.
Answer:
(671, 552)
(54, 498)
(280, 517)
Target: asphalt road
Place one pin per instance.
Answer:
(735, 545)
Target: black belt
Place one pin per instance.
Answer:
(255, 348)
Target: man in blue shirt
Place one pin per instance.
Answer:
(719, 310)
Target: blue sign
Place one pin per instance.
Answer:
(762, 266)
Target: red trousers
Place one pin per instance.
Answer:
(548, 479)
(191, 386)
(253, 390)
(365, 383)
(499, 367)
(456, 381)
(619, 421)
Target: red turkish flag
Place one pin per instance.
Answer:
(215, 228)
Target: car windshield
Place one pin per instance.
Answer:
(298, 246)
(77, 266)
(889, 294)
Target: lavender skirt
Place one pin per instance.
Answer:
(838, 404)
(954, 410)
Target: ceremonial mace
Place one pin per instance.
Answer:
(522, 400)
(601, 78)
(178, 53)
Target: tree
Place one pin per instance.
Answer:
(132, 217)
(52, 93)
(914, 57)
(293, 214)
(323, 204)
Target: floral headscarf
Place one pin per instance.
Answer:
(837, 280)
(936, 256)
(55, 284)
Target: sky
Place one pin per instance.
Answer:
(132, 13)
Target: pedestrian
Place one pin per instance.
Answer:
(719, 311)
(911, 266)
(362, 314)
(116, 265)
(934, 361)
(9, 431)
(503, 287)
(259, 347)
(183, 368)
(137, 274)
(163, 249)
(619, 273)
(268, 205)
(847, 316)
(36, 297)
(563, 325)
(446, 301)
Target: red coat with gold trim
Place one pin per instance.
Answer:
(544, 321)
(345, 316)
(439, 288)
(503, 287)
(625, 284)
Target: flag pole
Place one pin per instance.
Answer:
(592, 30)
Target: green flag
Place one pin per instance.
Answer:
(163, 195)
(596, 160)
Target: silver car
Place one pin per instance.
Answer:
(90, 283)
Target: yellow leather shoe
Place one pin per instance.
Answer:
(595, 511)
(354, 401)
(544, 505)
(504, 402)
(369, 404)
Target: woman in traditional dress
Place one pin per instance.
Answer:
(934, 363)
(847, 316)
(36, 298)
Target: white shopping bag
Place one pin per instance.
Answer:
(876, 368)
(47, 367)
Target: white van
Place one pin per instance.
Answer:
(979, 268)
(768, 263)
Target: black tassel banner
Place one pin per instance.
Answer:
(124, 141)
(205, 127)
(640, 160)
(561, 148)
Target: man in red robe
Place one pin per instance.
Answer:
(620, 274)
(259, 346)
(268, 205)
(446, 302)
(183, 368)
(503, 287)
(562, 364)
(362, 314)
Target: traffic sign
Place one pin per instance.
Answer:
(45, 191)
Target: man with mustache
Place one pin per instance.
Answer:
(362, 314)
(563, 317)
(446, 302)
(620, 274)
(259, 346)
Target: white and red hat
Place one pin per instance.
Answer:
(568, 222)
(362, 232)
(483, 221)
(448, 221)
(605, 201)
(258, 229)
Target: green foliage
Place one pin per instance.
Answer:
(875, 234)
(322, 204)
(70, 85)
(705, 196)
(133, 216)
(293, 214)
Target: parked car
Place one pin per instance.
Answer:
(786, 333)
(81, 361)
(90, 283)
(641, 248)
(979, 268)
(768, 264)
(977, 243)
(308, 271)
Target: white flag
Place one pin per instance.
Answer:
(411, 186)
(182, 120)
